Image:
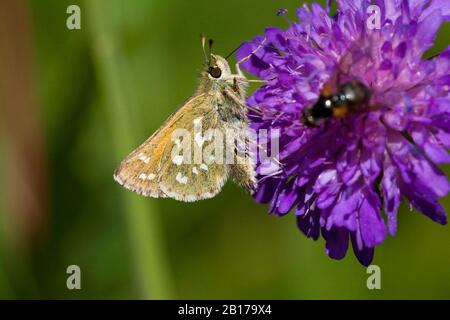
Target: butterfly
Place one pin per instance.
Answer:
(188, 157)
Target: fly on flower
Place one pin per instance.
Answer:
(342, 94)
(336, 101)
(387, 119)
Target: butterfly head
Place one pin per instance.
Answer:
(218, 68)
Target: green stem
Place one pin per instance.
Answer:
(141, 215)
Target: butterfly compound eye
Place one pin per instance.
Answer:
(215, 72)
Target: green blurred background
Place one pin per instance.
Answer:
(74, 103)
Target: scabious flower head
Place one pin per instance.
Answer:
(346, 178)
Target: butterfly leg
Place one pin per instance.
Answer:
(230, 94)
(238, 68)
(239, 71)
(256, 81)
(243, 174)
(261, 45)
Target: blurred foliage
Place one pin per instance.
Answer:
(103, 90)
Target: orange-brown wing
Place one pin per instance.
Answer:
(193, 167)
(141, 171)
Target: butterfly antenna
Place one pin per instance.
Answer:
(203, 42)
(260, 44)
(232, 52)
(210, 44)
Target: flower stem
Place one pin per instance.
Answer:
(141, 215)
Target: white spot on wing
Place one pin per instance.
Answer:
(143, 157)
(204, 167)
(181, 179)
(151, 176)
(194, 170)
(197, 121)
(142, 176)
(199, 139)
(178, 160)
(208, 136)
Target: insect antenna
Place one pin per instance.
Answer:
(203, 43)
(260, 45)
(281, 12)
(210, 44)
(232, 52)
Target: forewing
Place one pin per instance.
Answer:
(152, 170)
(191, 168)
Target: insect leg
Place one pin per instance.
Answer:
(230, 94)
(259, 146)
(239, 71)
(253, 52)
(257, 81)
(242, 170)
(243, 174)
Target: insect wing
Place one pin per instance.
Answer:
(164, 165)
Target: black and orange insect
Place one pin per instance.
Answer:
(351, 96)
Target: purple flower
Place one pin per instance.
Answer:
(346, 178)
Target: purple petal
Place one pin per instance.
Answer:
(336, 242)
(371, 223)
(352, 5)
(391, 195)
(428, 30)
(363, 254)
(343, 214)
(287, 198)
(424, 201)
(259, 56)
(309, 224)
(443, 5)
